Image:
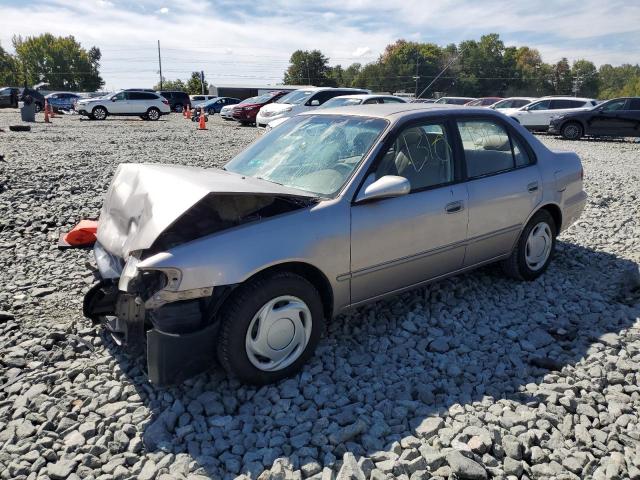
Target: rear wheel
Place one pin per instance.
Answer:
(534, 249)
(571, 131)
(153, 114)
(99, 113)
(270, 327)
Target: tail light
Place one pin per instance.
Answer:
(165, 101)
(581, 173)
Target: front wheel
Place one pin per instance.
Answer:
(153, 114)
(269, 328)
(571, 131)
(99, 113)
(534, 249)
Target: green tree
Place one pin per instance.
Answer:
(585, 76)
(561, 78)
(177, 85)
(309, 68)
(58, 61)
(614, 80)
(194, 84)
(9, 71)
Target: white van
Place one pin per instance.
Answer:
(299, 101)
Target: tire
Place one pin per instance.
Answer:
(524, 264)
(39, 107)
(178, 108)
(571, 131)
(248, 310)
(99, 113)
(153, 114)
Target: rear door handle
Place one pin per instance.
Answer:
(532, 187)
(454, 207)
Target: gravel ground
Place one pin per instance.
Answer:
(473, 377)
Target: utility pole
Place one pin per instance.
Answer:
(416, 77)
(443, 70)
(577, 83)
(202, 81)
(160, 64)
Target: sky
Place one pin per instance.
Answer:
(248, 42)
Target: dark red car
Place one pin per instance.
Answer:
(246, 112)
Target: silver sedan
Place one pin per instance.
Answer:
(332, 209)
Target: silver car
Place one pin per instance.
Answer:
(334, 208)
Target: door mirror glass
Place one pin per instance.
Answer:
(113, 99)
(314, 103)
(388, 186)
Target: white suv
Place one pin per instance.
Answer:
(299, 101)
(537, 115)
(146, 105)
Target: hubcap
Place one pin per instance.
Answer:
(538, 246)
(571, 131)
(278, 333)
(153, 114)
(99, 114)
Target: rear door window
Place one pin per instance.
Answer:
(634, 104)
(489, 149)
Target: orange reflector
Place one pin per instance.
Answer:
(83, 234)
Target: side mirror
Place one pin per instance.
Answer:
(386, 187)
(113, 99)
(314, 103)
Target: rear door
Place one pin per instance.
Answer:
(631, 116)
(504, 186)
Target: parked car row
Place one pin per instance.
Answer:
(10, 96)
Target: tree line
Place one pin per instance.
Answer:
(193, 86)
(474, 68)
(60, 62)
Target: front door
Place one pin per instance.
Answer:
(399, 242)
(607, 119)
(504, 187)
(119, 104)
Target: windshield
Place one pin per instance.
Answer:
(315, 153)
(265, 97)
(341, 102)
(296, 97)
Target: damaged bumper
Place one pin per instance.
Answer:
(175, 330)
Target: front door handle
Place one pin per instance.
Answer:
(454, 207)
(532, 187)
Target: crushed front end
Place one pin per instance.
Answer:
(149, 210)
(147, 315)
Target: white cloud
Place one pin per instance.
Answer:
(361, 52)
(253, 45)
(163, 10)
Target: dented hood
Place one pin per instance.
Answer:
(144, 199)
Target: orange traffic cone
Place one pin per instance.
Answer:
(201, 124)
(46, 112)
(184, 113)
(52, 113)
(189, 112)
(83, 234)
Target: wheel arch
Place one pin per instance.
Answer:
(100, 106)
(555, 212)
(309, 272)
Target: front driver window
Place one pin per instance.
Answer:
(540, 106)
(119, 97)
(421, 154)
(614, 105)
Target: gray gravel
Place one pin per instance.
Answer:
(473, 377)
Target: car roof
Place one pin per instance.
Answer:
(568, 97)
(366, 96)
(393, 111)
(318, 89)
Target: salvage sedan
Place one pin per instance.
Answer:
(332, 209)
